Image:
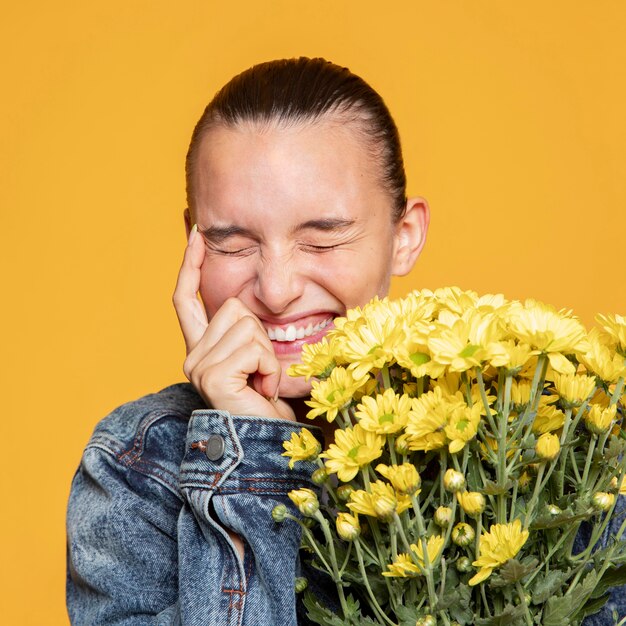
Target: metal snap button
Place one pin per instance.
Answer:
(215, 447)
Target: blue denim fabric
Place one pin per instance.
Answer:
(145, 537)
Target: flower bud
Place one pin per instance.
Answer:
(348, 527)
(279, 512)
(548, 447)
(464, 564)
(599, 420)
(463, 534)
(602, 501)
(301, 584)
(305, 500)
(472, 502)
(523, 482)
(527, 599)
(403, 478)
(553, 509)
(402, 445)
(427, 620)
(443, 516)
(319, 476)
(614, 487)
(344, 491)
(453, 481)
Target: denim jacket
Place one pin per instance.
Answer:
(158, 481)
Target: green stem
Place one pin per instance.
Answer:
(430, 583)
(533, 500)
(372, 598)
(522, 597)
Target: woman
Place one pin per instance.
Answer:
(296, 194)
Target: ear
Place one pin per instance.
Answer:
(410, 236)
(188, 224)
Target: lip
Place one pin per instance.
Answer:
(302, 318)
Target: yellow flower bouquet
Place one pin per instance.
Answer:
(477, 466)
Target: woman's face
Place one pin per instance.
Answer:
(297, 226)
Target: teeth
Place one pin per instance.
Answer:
(291, 333)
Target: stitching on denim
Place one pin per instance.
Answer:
(138, 441)
(138, 465)
(143, 461)
(136, 450)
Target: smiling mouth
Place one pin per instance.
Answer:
(293, 332)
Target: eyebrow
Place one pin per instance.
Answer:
(218, 234)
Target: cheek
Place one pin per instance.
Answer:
(354, 279)
(218, 282)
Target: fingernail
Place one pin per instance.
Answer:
(192, 234)
(276, 395)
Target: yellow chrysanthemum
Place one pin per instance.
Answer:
(462, 426)
(404, 478)
(574, 389)
(548, 447)
(405, 566)
(414, 355)
(510, 355)
(547, 331)
(520, 394)
(472, 502)
(454, 299)
(306, 501)
(602, 361)
(548, 419)
(428, 419)
(380, 501)
(348, 526)
(371, 344)
(303, 446)
(333, 394)
(614, 327)
(464, 342)
(501, 543)
(599, 420)
(387, 413)
(318, 360)
(353, 449)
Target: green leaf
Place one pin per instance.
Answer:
(494, 489)
(319, 614)
(615, 448)
(513, 570)
(546, 585)
(593, 605)
(546, 520)
(557, 611)
(511, 616)
(407, 615)
(613, 577)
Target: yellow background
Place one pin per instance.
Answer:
(513, 126)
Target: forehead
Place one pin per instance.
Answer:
(323, 167)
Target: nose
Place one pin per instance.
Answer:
(277, 282)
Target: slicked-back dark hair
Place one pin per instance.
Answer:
(293, 91)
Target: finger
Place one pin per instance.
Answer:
(225, 383)
(189, 310)
(229, 315)
(245, 331)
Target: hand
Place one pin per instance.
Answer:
(230, 360)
